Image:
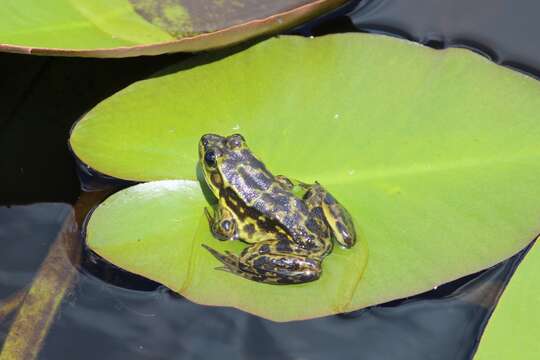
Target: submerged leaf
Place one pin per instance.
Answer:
(434, 153)
(40, 303)
(118, 28)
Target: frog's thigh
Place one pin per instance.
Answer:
(279, 262)
(337, 217)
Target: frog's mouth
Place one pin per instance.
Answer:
(210, 179)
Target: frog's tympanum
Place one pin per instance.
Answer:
(288, 224)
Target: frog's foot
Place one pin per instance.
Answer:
(228, 259)
(271, 262)
(231, 264)
(209, 216)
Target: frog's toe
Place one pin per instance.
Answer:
(224, 268)
(209, 216)
(229, 260)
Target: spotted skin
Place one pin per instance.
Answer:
(288, 224)
(337, 217)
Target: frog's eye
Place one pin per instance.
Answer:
(210, 158)
(235, 141)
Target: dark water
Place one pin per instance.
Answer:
(114, 315)
(504, 31)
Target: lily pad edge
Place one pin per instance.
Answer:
(207, 41)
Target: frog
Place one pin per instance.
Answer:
(289, 226)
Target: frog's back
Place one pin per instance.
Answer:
(258, 188)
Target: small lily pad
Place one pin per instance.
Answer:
(434, 153)
(119, 28)
(512, 331)
(159, 226)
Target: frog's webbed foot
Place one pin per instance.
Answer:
(231, 264)
(272, 262)
(228, 259)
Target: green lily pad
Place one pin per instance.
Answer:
(434, 153)
(118, 28)
(156, 229)
(512, 331)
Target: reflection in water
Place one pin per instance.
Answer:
(502, 30)
(441, 324)
(114, 314)
(26, 232)
(38, 303)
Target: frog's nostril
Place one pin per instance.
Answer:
(235, 141)
(205, 139)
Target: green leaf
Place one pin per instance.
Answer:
(434, 153)
(156, 229)
(117, 28)
(512, 331)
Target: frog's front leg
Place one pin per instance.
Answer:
(222, 223)
(272, 262)
(336, 216)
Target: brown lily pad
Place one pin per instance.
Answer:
(121, 28)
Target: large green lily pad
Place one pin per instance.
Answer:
(434, 153)
(118, 28)
(512, 331)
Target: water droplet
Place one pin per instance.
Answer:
(352, 172)
(336, 116)
(236, 127)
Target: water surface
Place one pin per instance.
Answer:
(111, 314)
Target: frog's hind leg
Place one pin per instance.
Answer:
(231, 264)
(272, 262)
(337, 217)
